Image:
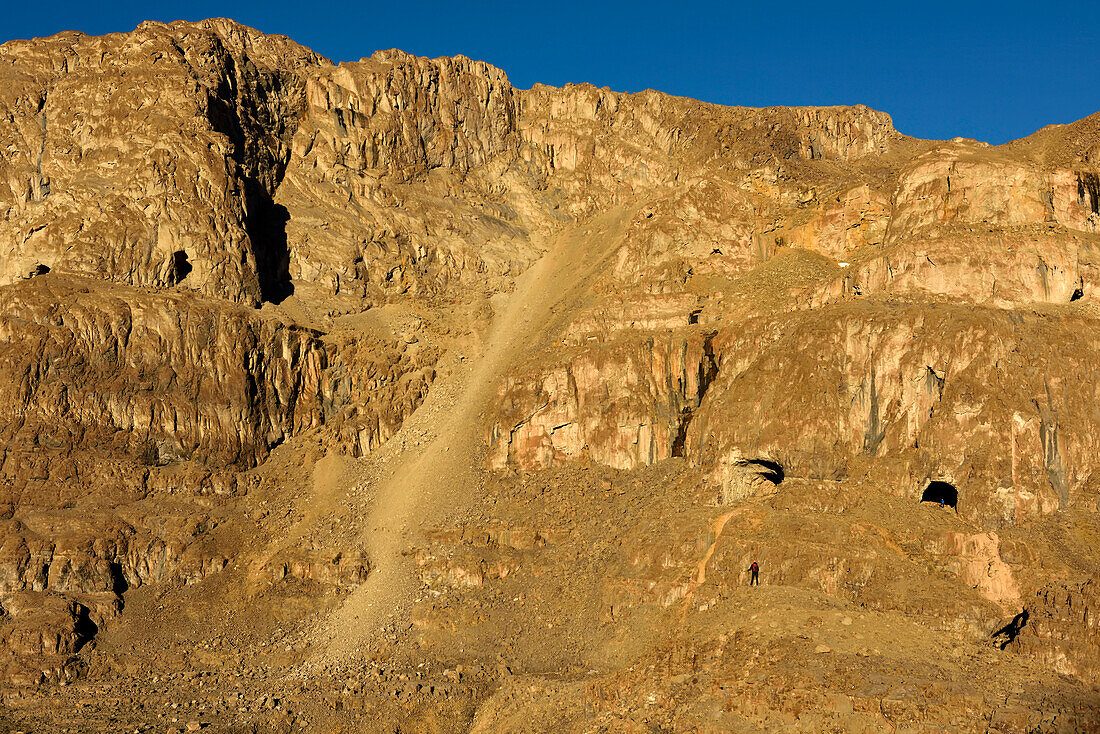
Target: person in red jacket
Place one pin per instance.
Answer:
(754, 569)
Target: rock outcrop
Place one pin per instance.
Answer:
(685, 337)
(1062, 629)
(149, 158)
(622, 405)
(182, 379)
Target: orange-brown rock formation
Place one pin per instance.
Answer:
(385, 395)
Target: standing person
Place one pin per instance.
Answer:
(754, 569)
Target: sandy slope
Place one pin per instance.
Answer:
(439, 477)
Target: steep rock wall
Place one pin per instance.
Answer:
(916, 393)
(623, 404)
(148, 158)
(184, 379)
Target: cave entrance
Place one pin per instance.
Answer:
(772, 471)
(179, 267)
(943, 493)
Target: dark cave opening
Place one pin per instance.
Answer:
(943, 493)
(766, 469)
(84, 628)
(266, 226)
(1078, 294)
(180, 267)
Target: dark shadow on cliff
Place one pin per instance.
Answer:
(180, 268)
(266, 226)
(84, 628)
(1006, 635)
(767, 469)
(241, 108)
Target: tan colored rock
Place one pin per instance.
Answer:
(920, 395)
(851, 220)
(169, 372)
(340, 570)
(1029, 266)
(622, 405)
(757, 335)
(148, 158)
(1062, 629)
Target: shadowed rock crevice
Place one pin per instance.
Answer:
(708, 370)
(266, 226)
(1088, 191)
(179, 269)
(766, 469)
(259, 110)
(84, 629)
(1006, 635)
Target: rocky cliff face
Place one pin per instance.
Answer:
(107, 131)
(636, 414)
(369, 129)
(180, 379)
(244, 291)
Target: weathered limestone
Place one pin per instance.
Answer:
(223, 257)
(148, 158)
(622, 404)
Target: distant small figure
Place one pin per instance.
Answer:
(754, 580)
(941, 502)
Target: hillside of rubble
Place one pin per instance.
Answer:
(384, 396)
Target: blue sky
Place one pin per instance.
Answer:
(989, 71)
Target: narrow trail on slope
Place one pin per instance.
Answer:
(441, 478)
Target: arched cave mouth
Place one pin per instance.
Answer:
(765, 468)
(938, 491)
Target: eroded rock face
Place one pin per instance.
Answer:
(622, 405)
(957, 185)
(934, 394)
(189, 380)
(1037, 265)
(906, 394)
(801, 313)
(149, 158)
(838, 227)
(372, 127)
(216, 384)
(339, 570)
(63, 575)
(1063, 628)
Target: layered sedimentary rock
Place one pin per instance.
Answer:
(181, 379)
(788, 335)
